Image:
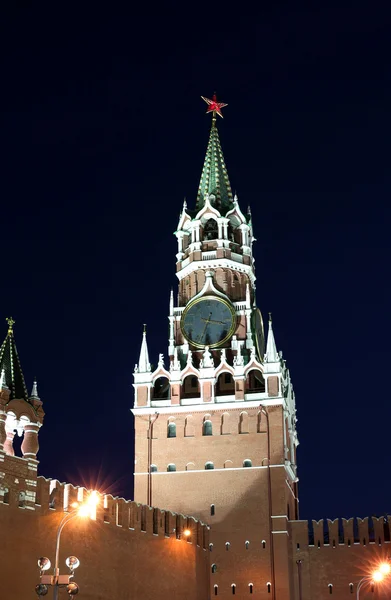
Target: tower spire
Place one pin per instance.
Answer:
(34, 391)
(144, 365)
(271, 349)
(9, 362)
(214, 177)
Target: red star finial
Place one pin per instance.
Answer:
(214, 106)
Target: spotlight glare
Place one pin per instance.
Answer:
(385, 568)
(377, 576)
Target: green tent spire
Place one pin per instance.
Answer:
(214, 176)
(9, 361)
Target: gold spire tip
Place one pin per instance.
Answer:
(11, 323)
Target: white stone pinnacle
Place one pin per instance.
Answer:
(271, 349)
(144, 365)
(34, 391)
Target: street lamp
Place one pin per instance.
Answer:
(381, 573)
(87, 509)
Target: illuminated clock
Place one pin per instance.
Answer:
(208, 321)
(258, 333)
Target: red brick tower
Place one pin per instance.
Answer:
(20, 414)
(216, 431)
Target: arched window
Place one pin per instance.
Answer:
(161, 389)
(216, 587)
(225, 385)
(214, 568)
(255, 382)
(351, 588)
(190, 387)
(243, 423)
(263, 544)
(171, 430)
(210, 230)
(212, 510)
(210, 547)
(251, 588)
(227, 545)
(153, 469)
(171, 467)
(247, 463)
(269, 587)
(189, 426)
(247, 545)
(207, 428)
(225, 426)
(330, 588)
(209, 465)
(233, 587)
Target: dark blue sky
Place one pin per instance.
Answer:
(104, 133)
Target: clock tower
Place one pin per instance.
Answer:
(215, 428)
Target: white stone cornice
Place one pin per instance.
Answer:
(206, 406)
(216, 263)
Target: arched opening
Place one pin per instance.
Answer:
(209, 465)
(171, 467)
(153, 468)
(207, 427)
(171, 430)
(211, 230)
(191, 387)
(247, 545)
(228, 464)
(225, 424)
(243, 423)
(247, 463)
(255, 382)
(250, 588)
(233, 586)
(227, 546)
(225, 385)
(214, 568)
(216, 588)
(161, 389)
(190, 466)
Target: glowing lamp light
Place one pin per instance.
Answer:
(385, 568)
(88, 508)
(74, 504)
(377, 576)
(187, 532)
(83, 511)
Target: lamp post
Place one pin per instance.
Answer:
(87, 509)
(383, 571)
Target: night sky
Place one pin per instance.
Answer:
(103, 133)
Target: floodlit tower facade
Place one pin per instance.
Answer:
(215, 428)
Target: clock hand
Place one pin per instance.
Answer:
(206, 325)
(213, 322)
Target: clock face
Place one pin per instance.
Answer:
(208, 321)
(257, 327)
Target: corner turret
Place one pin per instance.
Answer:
(19, 413)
